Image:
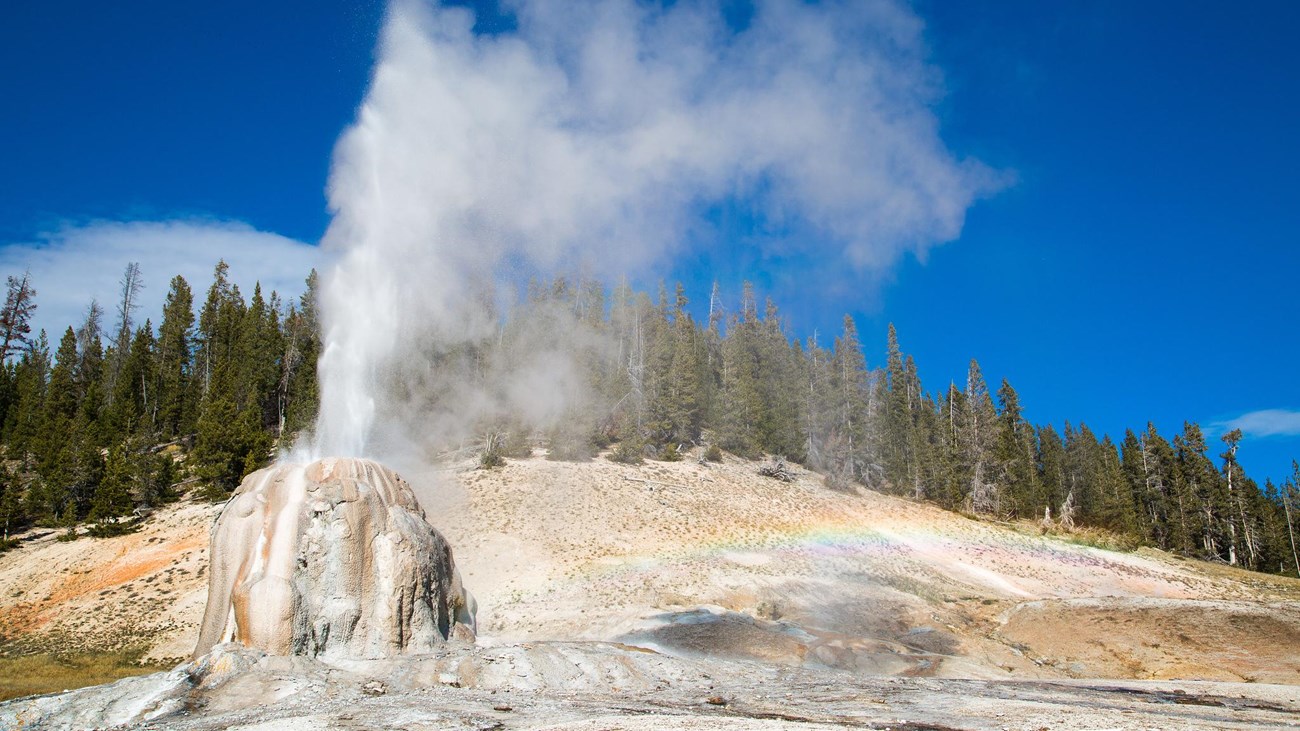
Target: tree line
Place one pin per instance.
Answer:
(106, 426)
(103, 428)
(736, 381)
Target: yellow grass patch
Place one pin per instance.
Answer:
(40, 674)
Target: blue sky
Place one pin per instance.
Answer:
(1141, 266)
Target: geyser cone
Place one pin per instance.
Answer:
(331, 558)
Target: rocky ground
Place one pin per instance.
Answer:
(605, 687)
(681, 595)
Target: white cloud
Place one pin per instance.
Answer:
(73, 265)
(1263, 423)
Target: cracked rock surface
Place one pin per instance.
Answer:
(596, 685)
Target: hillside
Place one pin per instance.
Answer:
(718, 560)
(715, 560)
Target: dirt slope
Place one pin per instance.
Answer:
(143, 590)
(716, 560)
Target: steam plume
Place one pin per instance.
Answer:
(597, 135)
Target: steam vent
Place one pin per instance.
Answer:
(334, 558)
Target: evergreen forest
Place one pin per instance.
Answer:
(118, 416)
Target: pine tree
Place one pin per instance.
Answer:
(1115, 510)
(847, 451)
(1242, 534)
(260, 345)
(951, 490)
(230, 444)
(85, 468)
(152, 474)
(658, 345)
(62, 394)
(1269, 518)
(1051, 469)
(24, 429)
(687, 376)
(8, 392)
(712, 337)
(12, 511)
(819, 412)
(933, 451)
(89, 376)
(16, 316)
(210, 341)
(128, 303)
(231, 440)
(112, 500)
(1095, 484)
(1201, 489)
(898, 439)
(741, 389)
(627, 375)
(1015, 459)
(177, 411)
(55, 447)
(299, 397)
(978, 433)
(779, 379)
(134, 405)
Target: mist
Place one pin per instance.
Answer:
(597, 141)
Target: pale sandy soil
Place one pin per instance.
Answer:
(715, 560)
(863, 581)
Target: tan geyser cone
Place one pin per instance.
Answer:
(334, 558)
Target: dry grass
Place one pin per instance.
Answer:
(1095, 537)
(39, 674)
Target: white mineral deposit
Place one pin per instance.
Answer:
(334, 558)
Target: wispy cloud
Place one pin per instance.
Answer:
(1263, 423)
(75, 264)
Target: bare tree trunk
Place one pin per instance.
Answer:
(126, 307)
(1207, 539)
(1286, 505)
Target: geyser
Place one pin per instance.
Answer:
(334, 558)
(602, 140)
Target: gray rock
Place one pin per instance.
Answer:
(131, 700)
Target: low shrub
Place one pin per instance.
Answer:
(628, 451)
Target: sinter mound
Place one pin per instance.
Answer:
(334, 558)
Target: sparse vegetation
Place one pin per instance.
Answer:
(1094, 537)
(493, 455)
(628, 451)
(111, 528)
(777, 469)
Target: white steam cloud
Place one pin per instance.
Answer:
(597, 136)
